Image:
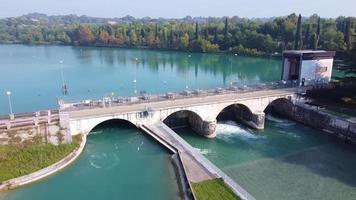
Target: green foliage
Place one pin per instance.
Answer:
(257, 37)
(298, 43)
(247, 51)
(213, 190)
(202, 45)
(20, 160)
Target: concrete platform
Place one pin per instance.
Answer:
(197, 168)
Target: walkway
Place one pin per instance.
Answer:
(197, 167)
(83, 111)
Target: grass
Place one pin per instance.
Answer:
(19, 160)
(214, 189)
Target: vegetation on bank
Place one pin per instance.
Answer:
(213, 190)
(235, 35)
(19, 160)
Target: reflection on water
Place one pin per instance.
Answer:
(117, 163)
(286, 161)
(95, 72)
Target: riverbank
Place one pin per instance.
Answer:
(234, 52)
(40, 171)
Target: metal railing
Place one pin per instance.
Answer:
(146, 98)
(28, 119)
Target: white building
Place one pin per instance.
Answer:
(307, 67)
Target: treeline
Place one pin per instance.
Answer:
(235, 35)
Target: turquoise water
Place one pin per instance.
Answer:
(286, 161)
(119, 162)
(33, 73)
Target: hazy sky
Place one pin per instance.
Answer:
(179, 8)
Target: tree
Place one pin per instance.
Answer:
(226, 34)
(307, 37)
(298, 34)
(133, 38)
(348, 34)
(226, 29)
(156, 31)
(216, 40)
(317, 35)
(196, 31)
(184, 41)
(85, 36)
(104, 37)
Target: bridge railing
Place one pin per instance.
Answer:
(145, 97)
(28, 119)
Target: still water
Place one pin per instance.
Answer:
(285, 161)
(119, 162)
(33, 73)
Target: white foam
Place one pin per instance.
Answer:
(289, 133)
(279, 121)
(203, 151)
(229, 129)
(274, 119)
(96, 132)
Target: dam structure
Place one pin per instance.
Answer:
(157, 115)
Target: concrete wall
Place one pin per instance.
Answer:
(313, 70)
(46, 133)
(286, 67)
(342, 128)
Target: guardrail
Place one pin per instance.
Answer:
(146, 98)
(28, 119)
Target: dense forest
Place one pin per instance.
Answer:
(236, 35)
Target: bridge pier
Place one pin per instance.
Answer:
(254, 120)
(206, 128)
(258, 120)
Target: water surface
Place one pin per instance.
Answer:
(286, 161)
(119, 162)
(33, 73)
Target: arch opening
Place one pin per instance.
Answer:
(182, 119)
(190, 119)
(279, 107)
(113, 123)
(238, 113)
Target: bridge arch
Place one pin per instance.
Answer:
(112, 122)
(236, 112)
(188, 118)
(278, 106)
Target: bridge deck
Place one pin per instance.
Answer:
(172, 103)
(198, 168)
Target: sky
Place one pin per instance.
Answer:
(179, 8)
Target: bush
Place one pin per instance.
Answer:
(20, 160)
(247, 52)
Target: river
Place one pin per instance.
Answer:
(285, 161)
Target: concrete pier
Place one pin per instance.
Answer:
(197, 167)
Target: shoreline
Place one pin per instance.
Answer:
(226, 53)
(45, 172)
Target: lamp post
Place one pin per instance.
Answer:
(8, 93)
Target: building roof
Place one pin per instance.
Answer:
(308, 54)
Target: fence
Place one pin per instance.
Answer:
(146, 98)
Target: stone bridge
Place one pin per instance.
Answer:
(199, 112)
